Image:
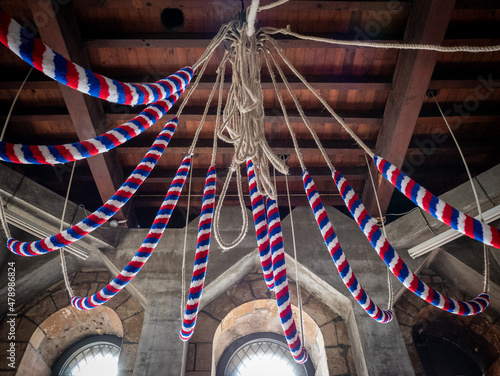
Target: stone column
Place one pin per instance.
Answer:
(160, 349)
(378, 349)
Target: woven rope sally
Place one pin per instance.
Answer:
(43, 58)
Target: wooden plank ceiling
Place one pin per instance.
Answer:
(380, 93)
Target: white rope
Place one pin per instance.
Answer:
(243, 115)
(244, 227)
(285, 113)
(320, 98)
(272, 5)
(61, 250)
(13, 104)
(183, 278)
(399, 46)
(193, 87)
(222, 68)
(486, 284)
(5, 225)
(389, 280)
(207, 106)
(252, 15)
(218, 39)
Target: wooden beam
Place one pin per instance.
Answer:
(201, 40)
(427, 23)
(297, 5)
(61, 34)
(293, 5)
(487, 113)
(297, 199)
(318, 82)
(194, 114)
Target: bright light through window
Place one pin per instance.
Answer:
(263, 357)
(92, 359)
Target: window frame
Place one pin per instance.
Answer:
(234, 346)
(76, 347)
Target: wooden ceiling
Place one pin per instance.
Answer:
(381, 93)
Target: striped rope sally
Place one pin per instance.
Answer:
(201, 256)
(56, 154)
(148, 245)
(33, 51)
(297, 349)
(436, 207)
(338, 256)
(397, 266)
(260, 221)
(111, 207)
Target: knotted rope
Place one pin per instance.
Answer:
(243, 116)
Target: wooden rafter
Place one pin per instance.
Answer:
(427, 23)
(61, 34)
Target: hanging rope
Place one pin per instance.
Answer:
(244, 227)
(398, 46)
(272, 5)
(297, 278)
(389, 280)
(295, 345)
(183, 277)
(337, 254)
(6, 123)
(260, 222)
(252, 15)
(243, 116)
(436, 207)
(61, 251)
(201, 256)
(394, 262)
(486, 285)
(318, 96)
(5, 224)
(148, 245)
(105, 212)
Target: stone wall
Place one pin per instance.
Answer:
(31, 315)
(252, 287)
(477, 335)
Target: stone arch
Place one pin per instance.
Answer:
(252, 288)
(477, 336)
(62, 329)
(262, 316)
(32, 314)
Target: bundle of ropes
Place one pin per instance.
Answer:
(240, 123)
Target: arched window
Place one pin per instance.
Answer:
(261, 354)
(92, 356)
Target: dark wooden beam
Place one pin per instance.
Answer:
(61, 34)
(486, 113)
(194, 114)
(296, 198)
(293, 5)
(298, 5)
(320, 83)
(427, 23)
(201, 40)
